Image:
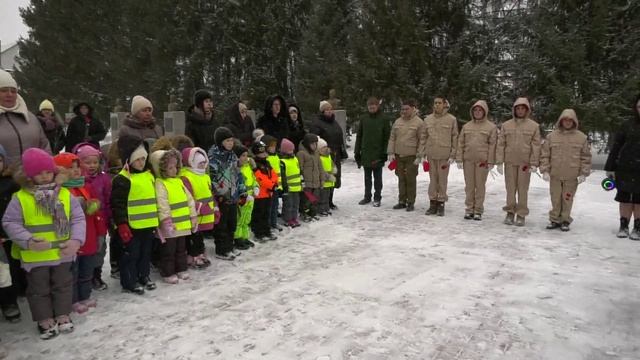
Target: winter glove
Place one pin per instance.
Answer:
(533, 169)
(125, 233)
(256, 191)
(500, 169)
(611, 175)
(393, 164)
(425, 166)
(69, 248)
(546, 177)
(459, 165)
(581, 179)
(39, 245)
(216, 215)
(358, 159)
(391, 157)
(194, 224)
(167, 228)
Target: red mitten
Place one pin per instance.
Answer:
(125, 233)
(392, 165)
(425, 166)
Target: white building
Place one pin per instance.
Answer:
(9, 56)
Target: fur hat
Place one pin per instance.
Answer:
(287, 147)
(222, 134)
(127, 144)
(139, 103)
(200, 96)
(7, 81)
(239, 150)
(163, 143)
(324, 105)
(180, 142)
(46, 105)
(35, 161)
(159, 161)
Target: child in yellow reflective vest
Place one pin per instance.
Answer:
(245, 208)
(291, 183)
(328, 177)
(176, 212)
(47, 226)
(135, 214)
(274, 161)
(195, 176)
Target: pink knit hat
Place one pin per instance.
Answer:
(287, 147)
(35, 161)
(86, 150)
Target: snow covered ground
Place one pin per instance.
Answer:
(382, 284)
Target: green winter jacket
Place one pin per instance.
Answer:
(371, 141)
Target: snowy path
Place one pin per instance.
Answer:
(382, 284)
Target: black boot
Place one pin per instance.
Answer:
(635, 235)
(440, 209)
(623, 232)
(433, 208)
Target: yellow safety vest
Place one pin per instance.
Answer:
(178, 203)
(249, 177)
(292, 169)
(142, 208)
(201, 185)
(274, 161)
(40, 225)
(327, 165)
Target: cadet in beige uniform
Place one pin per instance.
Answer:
(404, 147)
(519, 150)
(476, 155)
(440, 140)
(565, 161)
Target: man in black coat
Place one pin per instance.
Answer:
(623, 165)
(326, 127)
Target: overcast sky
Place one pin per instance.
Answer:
(11, 26)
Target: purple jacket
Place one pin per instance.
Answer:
(13, 223)
(101, 185)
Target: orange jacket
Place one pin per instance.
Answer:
(268, 182)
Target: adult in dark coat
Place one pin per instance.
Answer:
(371, 149)
(623, 164)
(201, 123)
(297, 131)
(238, 121)
(275, 120)
(84, 127)
(326, 127)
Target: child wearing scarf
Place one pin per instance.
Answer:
(92, 165)
(48, 227)
(85, 261)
